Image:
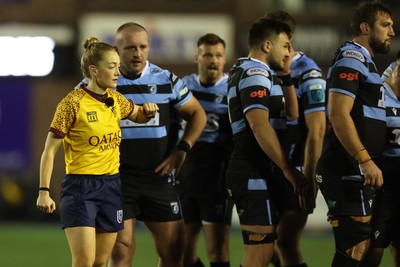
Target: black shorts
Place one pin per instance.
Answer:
(212, 208)
(91, 200)
(386, 213)
(155, 200)
(201, 186)
(252, 191)
(346, 195)
(288, 200)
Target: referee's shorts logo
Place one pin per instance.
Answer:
(120, 216)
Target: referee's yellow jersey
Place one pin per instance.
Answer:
(91, 131)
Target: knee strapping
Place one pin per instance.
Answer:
(349, 233)
(251, 238)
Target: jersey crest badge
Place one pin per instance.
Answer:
(219, 99)
(92, 116)
(152, 88)
(174, 207)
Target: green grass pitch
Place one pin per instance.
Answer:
(42, 245)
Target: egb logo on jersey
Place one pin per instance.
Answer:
(92, 116)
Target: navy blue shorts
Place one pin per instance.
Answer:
(92, 200)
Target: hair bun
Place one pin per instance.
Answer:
(90, 41)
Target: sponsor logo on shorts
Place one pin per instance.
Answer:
(240, 212)
(120, 216)
(331, 203)
(230, 192)
(376, 234)
(174, 207)
(257, 237)
(318, 177)
(354, 54)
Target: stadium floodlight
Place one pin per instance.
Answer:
(26, 55)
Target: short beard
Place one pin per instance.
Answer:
(378, 47)
(275, 65)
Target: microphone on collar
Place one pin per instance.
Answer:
(109, 101)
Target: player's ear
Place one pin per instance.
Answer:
(266, 46)
(92, 69)
(364, 28)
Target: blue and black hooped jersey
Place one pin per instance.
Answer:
(310, 89)
(354, 74)
(249, 87)
(388, 71)
(214, 101)
(277, 112)
(392, 147)
(145, 146)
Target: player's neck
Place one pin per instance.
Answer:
(209, 81)
(363, 41)
(92, 86)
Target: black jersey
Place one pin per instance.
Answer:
(354, 73)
